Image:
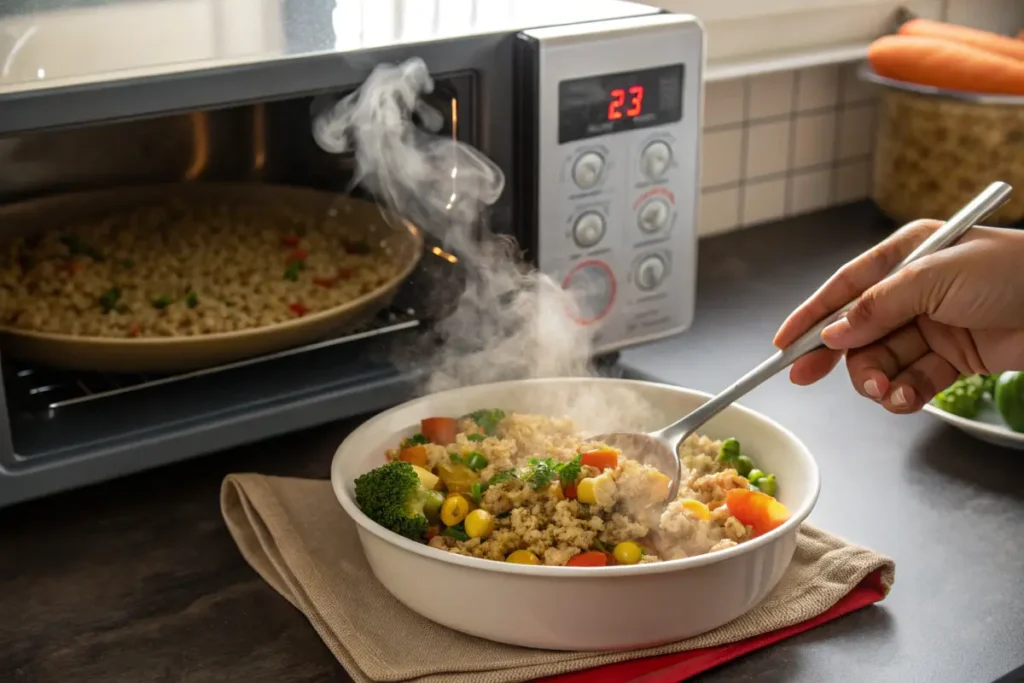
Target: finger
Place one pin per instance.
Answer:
(917, 384)
(955, 344)
(887, 306)
(815, 365)
(853, 279)
(872, 366)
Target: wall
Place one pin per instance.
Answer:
(784, 143)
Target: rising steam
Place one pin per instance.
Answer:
(511, 321)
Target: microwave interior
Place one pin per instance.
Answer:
(53, 414)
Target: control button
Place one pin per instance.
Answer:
(655, 158)
(593, 288)
(588, 229)
(587, 170)
(650, 273)
(653, 215)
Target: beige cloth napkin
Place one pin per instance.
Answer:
(295, 534)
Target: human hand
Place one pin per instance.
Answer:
(959, 311)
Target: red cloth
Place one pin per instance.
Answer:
(684, 665)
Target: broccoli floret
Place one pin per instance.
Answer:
(988, 385)
(487, 420)
(963, 397)
(416, 439)
(569, 471)
(393, 496)
(729, 451)
(539, 473)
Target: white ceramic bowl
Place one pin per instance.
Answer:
(577, 608)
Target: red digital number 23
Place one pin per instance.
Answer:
(615, 106)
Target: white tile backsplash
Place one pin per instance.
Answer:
(771, 95)
(851, 182)
(814, 139)
(817, 88)
(764, 201)
(719, 211)
(721, 157)
(724, 103)
(810, 191)
(783, 144)
(767, 148)
(856, 131)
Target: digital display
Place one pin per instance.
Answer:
(611, 103)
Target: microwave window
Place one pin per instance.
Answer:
(612, 103)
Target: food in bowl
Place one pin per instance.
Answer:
(530, 489)
(181, 268)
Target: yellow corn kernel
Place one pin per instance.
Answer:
(585, 491)
(659, 486)
(627, 552)
(479, 524)
(522, 557)
(695, 508)
(454, 509)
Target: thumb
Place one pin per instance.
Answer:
(884, 308)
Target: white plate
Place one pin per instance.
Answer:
(987, 426)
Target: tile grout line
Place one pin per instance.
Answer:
(787, 205)
(782, 175)
(837, 138)
(741, 195)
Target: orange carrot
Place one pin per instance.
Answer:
(756, 509)
(983, 40)
(600, 459)
(944, 64)
(591, 558)
(414, 455)
(440, 430)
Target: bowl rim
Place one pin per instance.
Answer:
(365, 524)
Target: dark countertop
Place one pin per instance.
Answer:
(137, 580)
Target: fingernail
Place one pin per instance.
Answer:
(899, 398)
(871, 389)
(834, 333)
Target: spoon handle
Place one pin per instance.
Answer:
(990, 199)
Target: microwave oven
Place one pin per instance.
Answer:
(590, 108)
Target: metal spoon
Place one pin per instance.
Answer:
(661, 448)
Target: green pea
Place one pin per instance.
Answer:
(476, 461)
(744, 465)
(767, 484)
(754, 475)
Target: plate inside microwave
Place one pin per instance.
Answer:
(398, 239)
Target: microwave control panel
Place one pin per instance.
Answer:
(617, 120)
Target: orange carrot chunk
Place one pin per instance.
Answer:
(600, 459)
(440, 430)
(414, 455)
(983, 40)
(944, 64)
(756, 509)
(591, 558)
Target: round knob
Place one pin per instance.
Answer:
(653, 215)
(593, 287)
(655, 158)
(587, 170)
(650, 273)
(588, 229)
